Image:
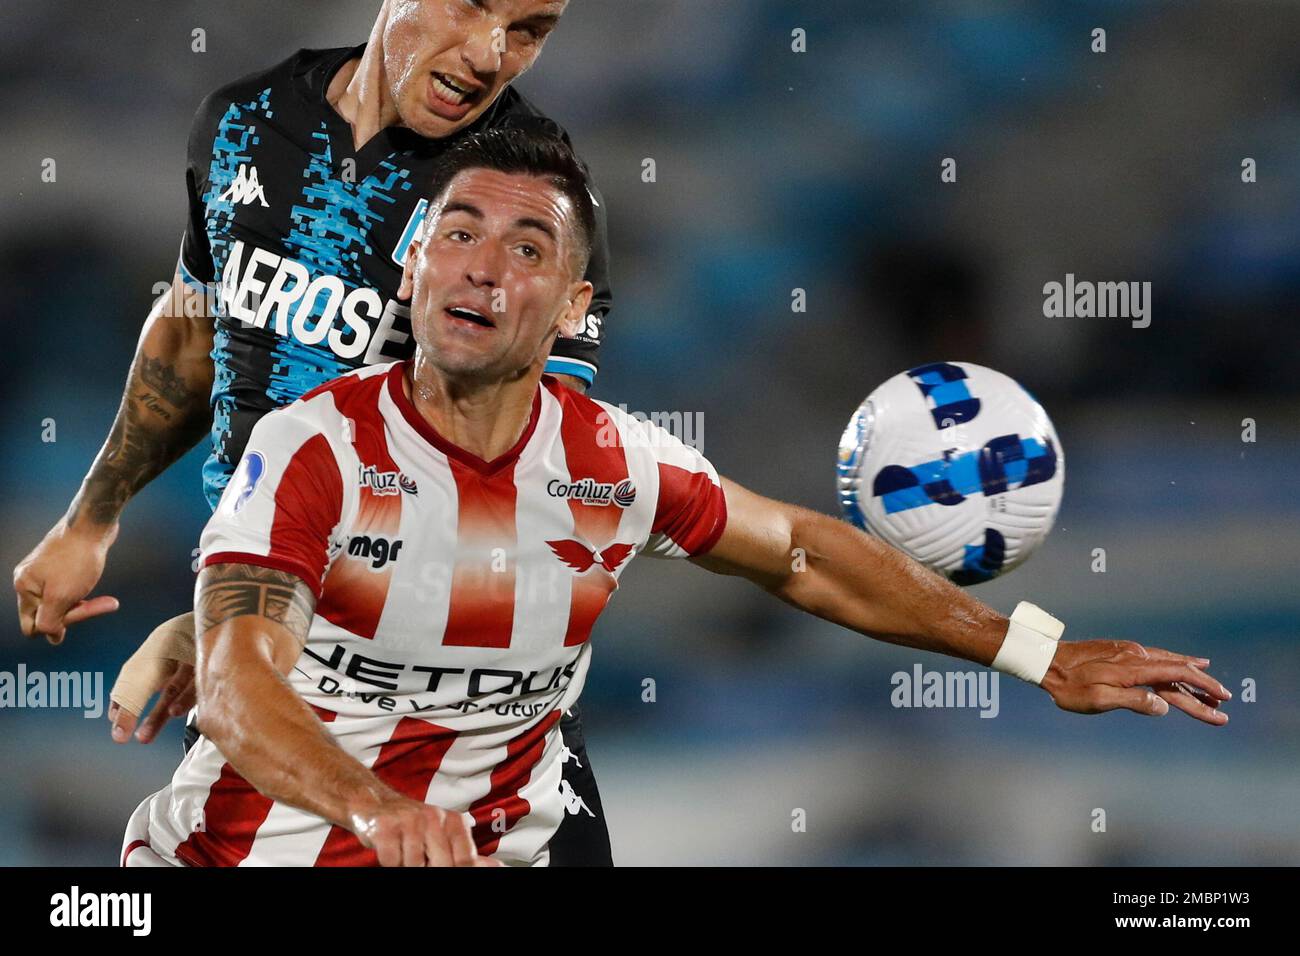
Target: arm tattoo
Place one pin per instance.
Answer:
(164, 380)
(231, 590)
(161, 417)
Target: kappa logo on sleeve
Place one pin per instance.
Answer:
(243, 484)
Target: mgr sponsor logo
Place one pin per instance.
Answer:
(73, 690)
(378, 551)
(268, 291)
(75, 908)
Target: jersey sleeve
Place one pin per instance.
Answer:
(285, 504)
(195, 263)
(691, 510)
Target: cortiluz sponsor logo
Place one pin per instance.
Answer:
(75, 908)
(592, 492)
(268, 291)
(387, 482)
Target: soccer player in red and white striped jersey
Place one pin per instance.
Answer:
(400, 582)
(454, 601)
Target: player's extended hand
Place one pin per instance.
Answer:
(1090, 677)
(52, 582)
(178, 693)
(405, 832)
(163, 665)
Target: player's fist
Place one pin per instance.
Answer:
(405, 832)
(52, 582)
(1090, 677)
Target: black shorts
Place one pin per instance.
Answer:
(583, 836)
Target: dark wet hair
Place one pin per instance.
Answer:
(527, 150)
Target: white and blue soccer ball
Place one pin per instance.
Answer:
(955, 464)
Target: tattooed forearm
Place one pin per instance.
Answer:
(161, 417)
(164, 380)
(149, 401)
(230, 590)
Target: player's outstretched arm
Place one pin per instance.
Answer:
(252, 624)
(831, 569)
(164, 411)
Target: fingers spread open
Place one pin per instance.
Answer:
(1160, 653)
(187, 692)
(159, 714)
(123, 722)
(1136, 699)
(1192, 705)
(1149, 673)
(1198, 679)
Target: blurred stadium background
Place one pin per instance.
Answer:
(775, 171)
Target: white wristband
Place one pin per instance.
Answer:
(1030, 644)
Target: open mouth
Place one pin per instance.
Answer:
(451, 91)
(471, 316)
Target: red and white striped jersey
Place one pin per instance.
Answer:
(456, 597)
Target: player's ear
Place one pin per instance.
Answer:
(575, 314)
(407, 286)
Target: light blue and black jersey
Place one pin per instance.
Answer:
(300, 240)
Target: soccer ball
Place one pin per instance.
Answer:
(955, 464)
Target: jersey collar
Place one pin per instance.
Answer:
(391, 139)
(397, 392)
